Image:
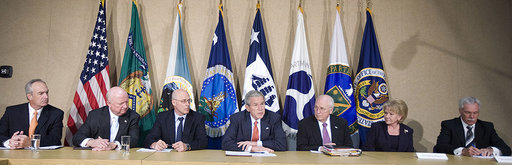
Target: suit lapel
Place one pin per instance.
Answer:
(171, 125)
(25, 120)
(42, 118)
(188, 125)
(247, 126)
(460, 132)
(123, 124)
(334, 130)
(264, 126)
(479, 133)
(105, 124)
(316, 131)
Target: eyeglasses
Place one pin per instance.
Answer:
(184, 101)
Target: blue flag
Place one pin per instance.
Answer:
(370, 81)
(338, 83)
(300, 93)
(178, 74)
(258, 73)
(218, 96)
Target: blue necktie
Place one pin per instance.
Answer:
(179, 131)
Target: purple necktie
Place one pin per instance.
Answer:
(325, 136)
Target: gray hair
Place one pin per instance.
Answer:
(468, 100)
(252, 93)
(28, 86)
(329, 99)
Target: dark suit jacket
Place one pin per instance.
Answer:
(240, 129)
(97, 125)
(49, 124)
(378, 138)
(452, 137)
(310, 138)
(194, 131)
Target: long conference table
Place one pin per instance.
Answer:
(67, 155)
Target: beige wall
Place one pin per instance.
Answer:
(434, 51)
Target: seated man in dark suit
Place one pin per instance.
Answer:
(323, 128)
(104, 126)
(180, 128)
(467, 135)
(20, 122)
(255, 129)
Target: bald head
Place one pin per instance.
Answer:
(117, 100)
(323, 107)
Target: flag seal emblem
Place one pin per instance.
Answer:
(372, 94)
(139, 98)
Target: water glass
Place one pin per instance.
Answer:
(125, 144)
(35, 142)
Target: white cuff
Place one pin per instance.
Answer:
(458, 151)
(118, 145)
(6, 143)
(248, 149)
(84, 142)
(496, 151)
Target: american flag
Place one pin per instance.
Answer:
(94, 79)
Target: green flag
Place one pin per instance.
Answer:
(134, 77)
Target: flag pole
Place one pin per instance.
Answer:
(258, 4)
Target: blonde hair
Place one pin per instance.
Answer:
(397, 106)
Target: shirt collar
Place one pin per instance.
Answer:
(465, 125)
(176, 116)
(31, 110)
(328, 121)
(112, 115)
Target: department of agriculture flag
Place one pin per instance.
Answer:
(178, 74)
(134, 77)
(370, 81)
(94, 80)
(300, 94)
(338, 83)
(218, 96)
(258, 73)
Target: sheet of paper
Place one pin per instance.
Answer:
(252, 154)
(503, 159)
(50, 147)
(483, 157)
(315, 151)
(435, 156)
(152, 150)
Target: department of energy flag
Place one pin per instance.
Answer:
(218, 96)
(94, 80)
(338, 83)
(258, 73)
(178, 74)
(134, 77)
(370, 81)
(300, 94)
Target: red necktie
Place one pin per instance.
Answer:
(255, 132)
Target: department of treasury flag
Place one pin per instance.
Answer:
(218, 96)
(300, 94)
(258, 73)
(370, 81)
(134, 76)
(338, 83)
(178, 74)
(94, 81)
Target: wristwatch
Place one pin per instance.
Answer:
(188, 147)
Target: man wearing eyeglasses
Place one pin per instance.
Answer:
(180, 128)
(323, 128)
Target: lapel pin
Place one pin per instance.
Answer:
(405, 131)
(125, 121)
(266, 128)
(335, 127)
